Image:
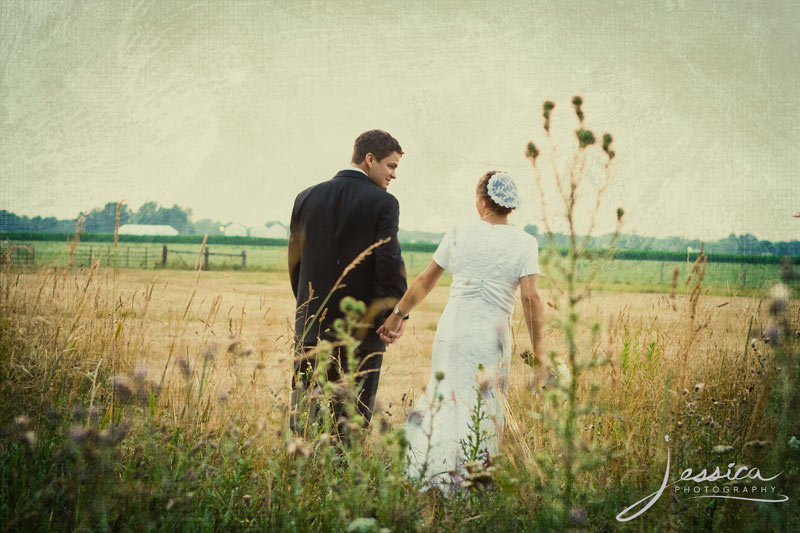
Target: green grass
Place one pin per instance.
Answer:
(620, 274)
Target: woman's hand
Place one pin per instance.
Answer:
(392, 329)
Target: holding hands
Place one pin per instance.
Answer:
(392, 329)
(423, 284)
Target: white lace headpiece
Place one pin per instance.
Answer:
(503, 190)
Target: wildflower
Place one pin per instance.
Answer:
(247, 498)
(578, 516)
(771, 334)
(140, 373)
(722, 448)
(620, 213)
(78, 433)
(699, 386)
(183, 364)
(113, 435)
(439, 375)
(298, 447)
(29, 437)
(415, 417)
(22, 420)
(211, 351)
(123, 387)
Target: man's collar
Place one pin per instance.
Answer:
(357, 170)
(352, 172)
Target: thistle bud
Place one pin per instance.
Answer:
(532, 152)
(577, 101)
(585, 138)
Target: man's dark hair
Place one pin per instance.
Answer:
(377, 142)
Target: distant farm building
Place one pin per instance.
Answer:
(146, 229)
(236, 230)
(275, 231)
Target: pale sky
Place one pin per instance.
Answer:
(232, 107)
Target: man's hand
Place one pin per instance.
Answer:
(392, 329)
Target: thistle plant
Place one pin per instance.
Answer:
(563, 406)
(474, 446)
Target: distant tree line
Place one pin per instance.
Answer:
(103, 220)
(732, 244)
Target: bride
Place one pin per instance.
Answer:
(488, 259)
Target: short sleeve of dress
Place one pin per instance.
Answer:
(530, 263)
(442, 253)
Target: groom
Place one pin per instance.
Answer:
(332, 223)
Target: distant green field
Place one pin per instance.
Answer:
(638, 274)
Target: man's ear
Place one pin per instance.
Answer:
(369, 159)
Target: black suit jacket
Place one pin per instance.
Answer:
(332, 223)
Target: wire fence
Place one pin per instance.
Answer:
(644, 273)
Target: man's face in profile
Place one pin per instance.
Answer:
(382, 172)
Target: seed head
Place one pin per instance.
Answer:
(607, 139)
(298, 447)
(183, 364)
(439, 375)
(29, 438)
(585, 138)
(140, 372)
(578, 516)
(532, 152)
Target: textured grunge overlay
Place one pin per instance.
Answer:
(230, 107)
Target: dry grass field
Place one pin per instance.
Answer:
(214, 348)
(178, 315)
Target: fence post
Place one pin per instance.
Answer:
(164, 257)
(127, 257)
(244, 258)
(744, 277)
(145, 257)
(661, 274)
(205, 259)
(33, 255)
(90, 257)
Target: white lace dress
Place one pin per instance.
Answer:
(487, 262)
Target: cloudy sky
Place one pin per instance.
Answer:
(232, 107)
